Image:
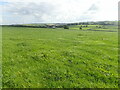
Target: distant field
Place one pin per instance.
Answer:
(60, 58)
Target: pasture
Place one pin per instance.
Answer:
(60, 58)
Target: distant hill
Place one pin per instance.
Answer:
(61, 25)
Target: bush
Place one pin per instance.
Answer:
(80, 27)
(66, 27)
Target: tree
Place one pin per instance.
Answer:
(66, 27)
(80, 27)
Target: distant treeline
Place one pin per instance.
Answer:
(66, 25)
(96, 23)
(45, 26)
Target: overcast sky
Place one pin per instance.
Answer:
(57, 11)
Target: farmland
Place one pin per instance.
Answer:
(60, 58)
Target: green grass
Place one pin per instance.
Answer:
(59, 58)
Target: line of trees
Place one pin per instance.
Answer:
(66, 26)
(44, 26)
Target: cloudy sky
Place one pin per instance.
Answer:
(57, 11)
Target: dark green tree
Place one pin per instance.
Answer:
(80, 27)
(66, 27)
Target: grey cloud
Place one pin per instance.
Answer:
(93, 7)
(89, 13)
(36, 10)
(92, 10)
(31, 8)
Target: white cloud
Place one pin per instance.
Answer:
(32, 11)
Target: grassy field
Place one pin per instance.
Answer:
(60, 58)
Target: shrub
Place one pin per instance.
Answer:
(66, 27)
(80, 27)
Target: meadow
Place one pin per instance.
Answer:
(60, 58)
